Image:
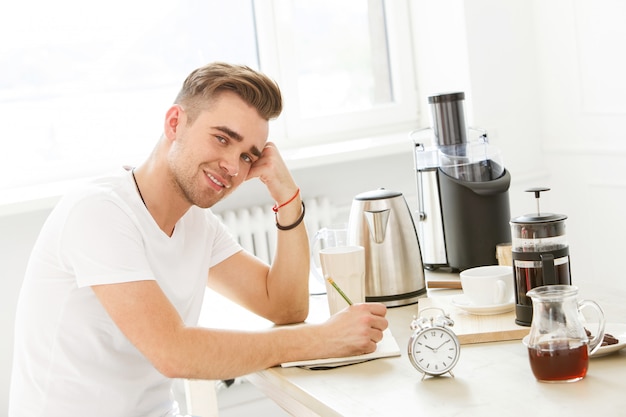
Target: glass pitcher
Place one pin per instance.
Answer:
(558, 344)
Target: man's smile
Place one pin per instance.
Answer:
(216, 181)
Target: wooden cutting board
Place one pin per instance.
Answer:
(471, 328)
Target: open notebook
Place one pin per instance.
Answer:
(386, 347)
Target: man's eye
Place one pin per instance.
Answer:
(246, 158)
(221, 139)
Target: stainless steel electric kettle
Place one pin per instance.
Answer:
(381, 222)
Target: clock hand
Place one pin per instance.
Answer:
(439, 347)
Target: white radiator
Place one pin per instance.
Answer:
(255, 227)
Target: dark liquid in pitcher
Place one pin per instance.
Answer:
(558, 361)
(529, 278)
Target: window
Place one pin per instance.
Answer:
(84, 86)
(345, 67)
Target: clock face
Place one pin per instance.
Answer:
(434, 351)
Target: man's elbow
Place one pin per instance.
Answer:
(291, 316)
(170, 367)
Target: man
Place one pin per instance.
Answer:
(109, 308)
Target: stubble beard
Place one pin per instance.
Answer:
(190, 187)
(194, 195)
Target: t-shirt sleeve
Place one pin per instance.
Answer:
(224, 243)
(102, 245)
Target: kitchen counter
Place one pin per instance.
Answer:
(490, 379)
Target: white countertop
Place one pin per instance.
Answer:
(490, 379)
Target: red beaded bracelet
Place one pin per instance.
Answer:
(276, 206)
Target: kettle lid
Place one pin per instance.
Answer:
(379, 194)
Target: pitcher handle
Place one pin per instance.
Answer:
(596, 340)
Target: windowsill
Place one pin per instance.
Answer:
(346, 151)
(45, 196)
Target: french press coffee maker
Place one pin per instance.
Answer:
(540, 256)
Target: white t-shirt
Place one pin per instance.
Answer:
(70, 359)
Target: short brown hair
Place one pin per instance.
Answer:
(204, 84)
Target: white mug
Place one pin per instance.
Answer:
(345, 265)
(488, 285)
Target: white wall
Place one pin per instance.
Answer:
(545, 78)
(582, 88)
(547, 81)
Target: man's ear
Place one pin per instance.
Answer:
(173, 118)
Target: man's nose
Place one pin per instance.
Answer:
(230, 164)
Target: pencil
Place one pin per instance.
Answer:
(341, 293)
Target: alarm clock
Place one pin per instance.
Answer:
(433, 348)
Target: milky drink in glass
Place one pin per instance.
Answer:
(346, 266)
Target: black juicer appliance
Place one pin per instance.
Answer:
(540, 256)
(462, 189)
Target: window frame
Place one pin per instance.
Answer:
(277, 59)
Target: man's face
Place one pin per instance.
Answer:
(211, 156)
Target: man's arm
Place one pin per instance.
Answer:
(282, 298)
(143, 313)
(279, 293)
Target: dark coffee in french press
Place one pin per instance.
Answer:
(540, 256)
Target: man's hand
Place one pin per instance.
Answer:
(354, 330)
(273, 172)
